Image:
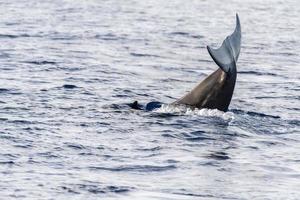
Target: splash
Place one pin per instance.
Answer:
(185, 110)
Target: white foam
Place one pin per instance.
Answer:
(184, 110)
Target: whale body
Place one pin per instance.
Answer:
(216, 90)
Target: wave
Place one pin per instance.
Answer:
(144, 55)
(258, 73)
(41, 62)
(136, 168)
(13, 36)
(186, 34)
(96, 188)
(254, 114)
(69, 86)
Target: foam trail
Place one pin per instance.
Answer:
(185, 110)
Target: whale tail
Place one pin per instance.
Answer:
(227, 55)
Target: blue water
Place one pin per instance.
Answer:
(68, 69)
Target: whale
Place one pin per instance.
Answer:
(216, 90)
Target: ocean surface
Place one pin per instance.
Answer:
(68, 69)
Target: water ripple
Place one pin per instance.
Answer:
(137, 168)
(69, 69)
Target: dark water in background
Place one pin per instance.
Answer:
(68, 68)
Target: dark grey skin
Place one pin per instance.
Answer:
(215, 92)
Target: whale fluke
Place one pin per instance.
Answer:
(215, 92)
(227, 55)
